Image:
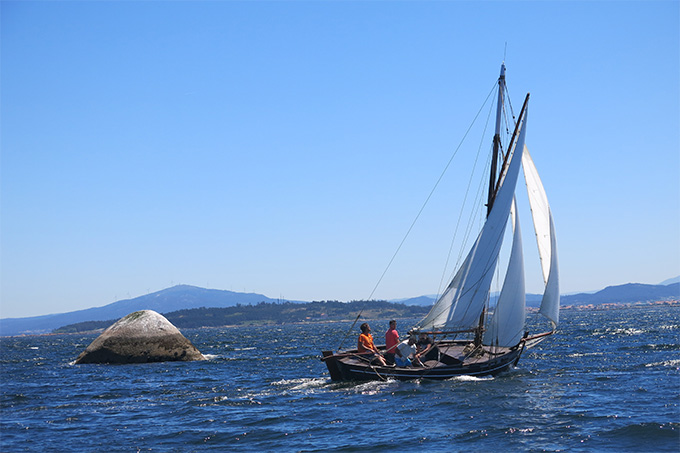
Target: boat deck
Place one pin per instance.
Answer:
(449, 354)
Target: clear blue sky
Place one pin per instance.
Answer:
(285, 147)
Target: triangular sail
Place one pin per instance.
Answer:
(461, 304)
(499, 337)
(545, 237)
(507, 324)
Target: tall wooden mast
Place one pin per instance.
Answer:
(496, 141)
(493, 177)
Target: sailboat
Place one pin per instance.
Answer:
(469, 339)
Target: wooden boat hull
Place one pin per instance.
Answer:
(350, 366)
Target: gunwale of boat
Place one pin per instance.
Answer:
(493, 361)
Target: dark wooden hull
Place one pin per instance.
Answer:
(350, 366)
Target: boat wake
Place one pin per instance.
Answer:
(374, 387)
(466, 378)
(301, 384)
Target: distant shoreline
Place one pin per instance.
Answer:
(617, 305)
(264, 323)
(256, 308)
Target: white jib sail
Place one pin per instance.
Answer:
(462, 302)
(507, 324)
(545, 237)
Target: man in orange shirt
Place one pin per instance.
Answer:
(365, 345)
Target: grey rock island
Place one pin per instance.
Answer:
(140, 337)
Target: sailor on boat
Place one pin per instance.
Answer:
(391, 342)
(405, 350)
(426, 349)
(366, 347)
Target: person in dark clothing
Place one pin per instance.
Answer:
(426, 349)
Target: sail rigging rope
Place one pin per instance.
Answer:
(474, 286)
(460, 216)
(441, 176)
(477, 213)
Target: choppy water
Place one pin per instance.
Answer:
(610, 381)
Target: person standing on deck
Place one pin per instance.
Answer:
(391, 342)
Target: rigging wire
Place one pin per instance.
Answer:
(462, 208)
(512, 111)
(478, 213)
(441, 176)
(471, 287)
(476, 217)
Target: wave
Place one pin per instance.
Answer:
(301, 383)
(666, 363)
(642, 432)
(466, 378)
(651, 347)
(374, 387)
(619, 331)
(585, 354)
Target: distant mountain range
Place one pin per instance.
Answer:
(186, 297)
(630, 292)
(171, 299)
(670, 280)
(533, 300)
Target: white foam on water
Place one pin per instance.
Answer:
(374, 387)
(301, 383)
(670, 363)
(466, 378)
(585, 354)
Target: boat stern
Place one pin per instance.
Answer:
(332, 365)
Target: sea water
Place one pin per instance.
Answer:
(608, 381)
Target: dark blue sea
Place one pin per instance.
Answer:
(609, 381)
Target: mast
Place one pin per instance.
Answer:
(493, 177)
(496, 140)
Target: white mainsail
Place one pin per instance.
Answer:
(461, 304)
(499, 339)
(507, 324)
(545, 237)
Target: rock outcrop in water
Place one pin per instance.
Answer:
(140, 337)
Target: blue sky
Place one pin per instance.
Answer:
(285, 147)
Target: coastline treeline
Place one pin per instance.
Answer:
(271, 313)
